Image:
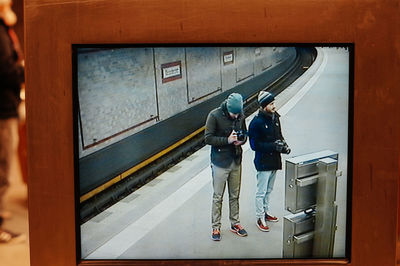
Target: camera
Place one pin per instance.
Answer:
(286, 149)
(282, 147)
(241, 135)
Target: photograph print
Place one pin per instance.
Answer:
(213, 152)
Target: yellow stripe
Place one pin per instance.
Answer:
(252, 97)
(137, 167)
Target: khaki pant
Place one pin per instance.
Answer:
(221, 176)
(8, 147)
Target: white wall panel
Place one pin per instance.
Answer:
(112, 84)
(203, 66)
(244, 63)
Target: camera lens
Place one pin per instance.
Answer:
(240, 135)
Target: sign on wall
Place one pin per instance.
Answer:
(228, 58)
(171, 71)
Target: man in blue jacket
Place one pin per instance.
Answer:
(225, 126)
(268, 143)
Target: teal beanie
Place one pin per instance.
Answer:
(234, 103)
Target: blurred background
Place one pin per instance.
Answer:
(16, 200)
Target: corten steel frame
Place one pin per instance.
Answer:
(52, 26)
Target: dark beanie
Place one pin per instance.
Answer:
(265, 98)
(234, 103)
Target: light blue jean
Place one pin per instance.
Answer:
(265, 185)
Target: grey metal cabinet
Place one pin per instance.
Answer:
(298, 235)
(310, 195)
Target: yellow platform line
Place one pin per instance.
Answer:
(137, 167)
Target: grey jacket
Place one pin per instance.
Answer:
(219, 126)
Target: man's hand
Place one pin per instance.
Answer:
(232, 137)
(238, 143)
(282, 147)
(279, 145)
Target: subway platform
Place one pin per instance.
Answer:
(170, 217)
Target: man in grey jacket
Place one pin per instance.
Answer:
(225, 132)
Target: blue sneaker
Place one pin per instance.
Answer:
(216, 235)
(239, 230)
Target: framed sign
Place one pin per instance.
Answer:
(171, 71)
(228, 58)
(54, 219)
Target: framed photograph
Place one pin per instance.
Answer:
(133, 180)
(80, 214)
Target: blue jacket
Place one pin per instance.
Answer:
(264, 130)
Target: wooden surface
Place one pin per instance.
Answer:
(51, 27)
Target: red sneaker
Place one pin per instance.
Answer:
(271, 218)
(262, 225)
